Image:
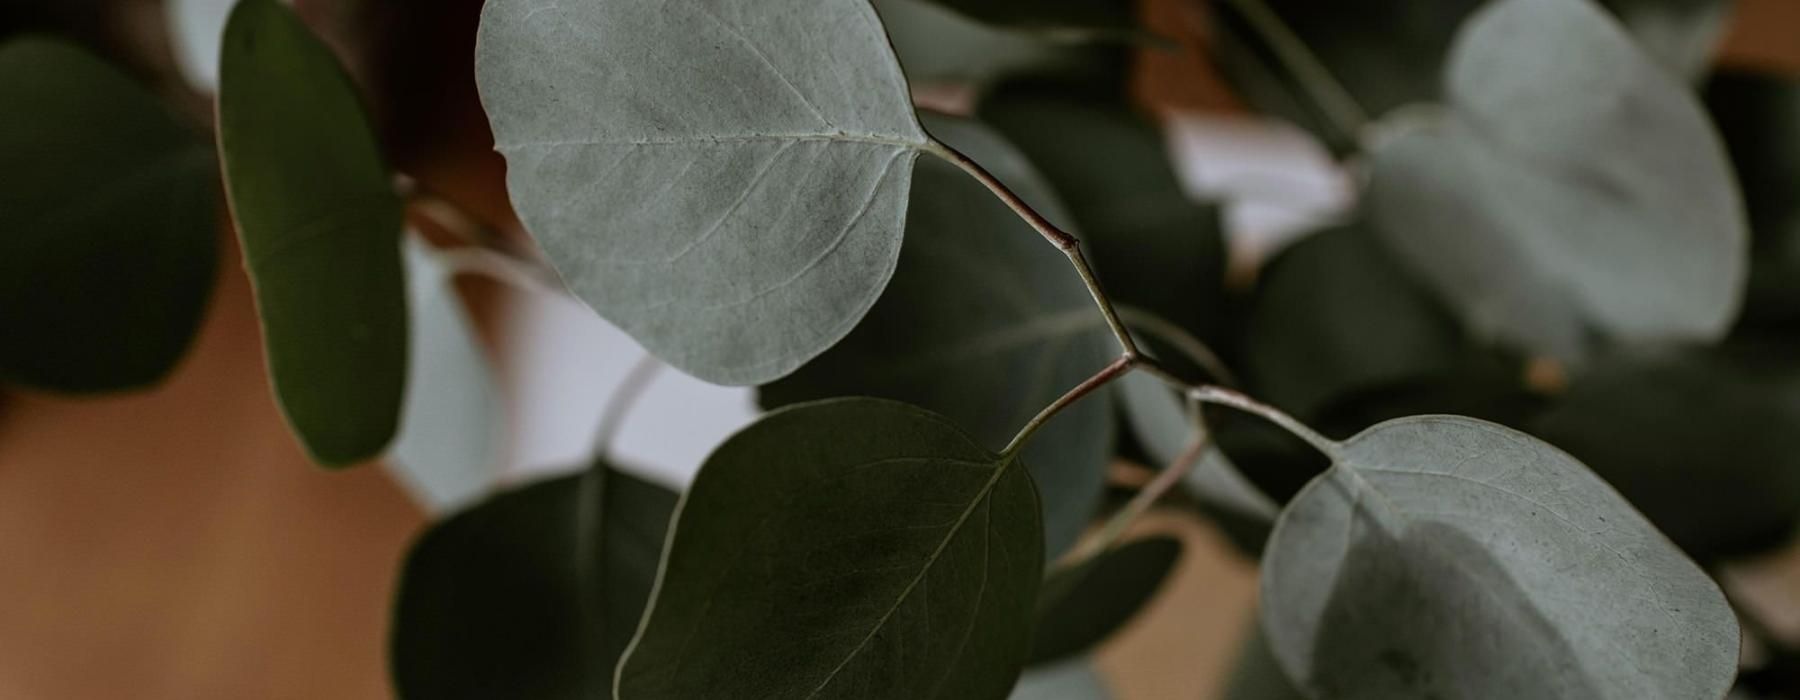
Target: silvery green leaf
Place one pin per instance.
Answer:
(987, 324)
(1448, 557)
(1681, 34)
(1165, 428)
(726, 180)
(1070, 680)
(1573, 192)
(447, 449)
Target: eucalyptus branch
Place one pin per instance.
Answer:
(1065, 242)
(1208, 393)
(1314, 77)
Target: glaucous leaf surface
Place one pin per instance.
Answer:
(1680, 34)
(1334, 314)
(320, 225)
(1447, 557)
(938, 45)
(1573, 193)
(726, 180)
(985, 323)
(1081, 605)
(447, 449)
(1153, 247)
(1703, 441)
(1070, 680)
(852, 548)
(533, 593)
(1759, 114)
(108, 224)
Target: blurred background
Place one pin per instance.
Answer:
(177, 543)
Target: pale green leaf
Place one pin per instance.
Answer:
(1682, 35)
(985, 323)
(320, 225)
(726, 180)
(938, 45)
(1448, 557)
(108, 224)
(519, 597)
(854, 548)
(448, 446)
(1071, 680)
(1574, 193)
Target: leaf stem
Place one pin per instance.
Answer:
(1176, 336)
(618, 406)
(1333, 100)
(495, 265)
(1063, 240)
(1208, 393)
(1119, 367)
(1140, 503)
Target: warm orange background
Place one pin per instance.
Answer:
(176, 544)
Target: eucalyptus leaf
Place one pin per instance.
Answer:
(1447, 557)
(853, 548)
(1165, 429)
(937, 45)
(1536, 205)
(1704, 441)
(1681, 34)
(320, 225)
(1256, 675)
(1064, 19)
(726, 180)
(448, 446)
(1333, 314)
(1759, 114)
(1072, 680)
(1081, 605)
(108, 224)
(520, 597)
(1154, 248)
(985, 323)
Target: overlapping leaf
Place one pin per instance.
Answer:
(854, 548)
(533, 593)
(108, 224)
(320, 225)
(726, 180)
(1574, 193)
(1083, 604)
(985, 323)
(937, 45)
(1448, 557)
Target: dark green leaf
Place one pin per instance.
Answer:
(107, 224)
(1448, 557)
(1064, 19)
(1082, 605)
(726, 180)
(985, 323)
(854, 548)
(937, 45)
(320, 226)
(1257, 675)
(1759, 114)
(1706, 442)
(1537, 209)
(512, 599)
(1333, 314)
(1154, 248)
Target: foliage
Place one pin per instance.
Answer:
(961, 324)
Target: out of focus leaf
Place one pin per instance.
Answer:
(1065, 19)
(1071, 680)
(1257, 675)
(1759, 115)
(519, 597)
(320, 225)
(936, 45)
(1083, 604)
(1706, 442)
(985, 323)
(1574, 193)
(108, 224)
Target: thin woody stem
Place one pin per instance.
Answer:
(1118, 368)
(1140, 503)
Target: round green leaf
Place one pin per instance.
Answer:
(987, 324)
(726, 180)
(107, 224)
(1702, 441)
(320, 226)
(1447, 557)
(854, 548)
(533, 593)
(1574, 192)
